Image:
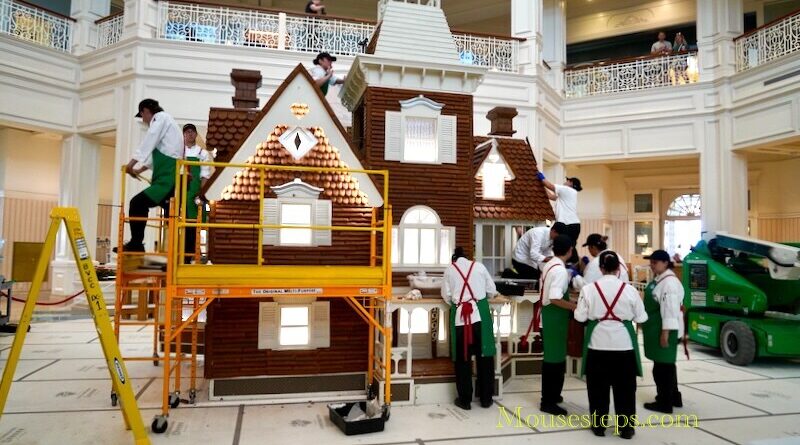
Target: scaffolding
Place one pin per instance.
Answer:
(366, 288)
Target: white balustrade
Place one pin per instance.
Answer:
(36, 25)
(640, 74)
(109, 30)
(768, 43)
(495, 53)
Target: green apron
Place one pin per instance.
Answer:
(634, 341)
(324, 88)
(555, 325)
(193, 189)
(487, 330)
(651, 329)
(163, 179)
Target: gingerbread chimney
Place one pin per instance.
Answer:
(502, 119)
(246, 83)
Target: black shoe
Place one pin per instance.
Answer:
(130, 247)
(599, 431)
(552, 408)
(465, 406)
(677, 400)
(487, 405)
(656, 406)
(627, 433)
(560, 400)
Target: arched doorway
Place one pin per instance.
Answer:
(682, 225)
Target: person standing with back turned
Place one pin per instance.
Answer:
(566, 198)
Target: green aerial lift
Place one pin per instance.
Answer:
(743, 296)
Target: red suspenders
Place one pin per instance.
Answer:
(610, 315)
(466, 310)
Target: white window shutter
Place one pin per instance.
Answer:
(447, 139)
(321, 324)
(393, 136)
(268, 325)
(322, 217)
(271, 236)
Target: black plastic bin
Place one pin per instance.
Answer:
(338, 412)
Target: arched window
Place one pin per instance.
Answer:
(685, 206)
(421, 239)
(682, 225)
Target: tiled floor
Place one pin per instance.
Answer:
(62, 383)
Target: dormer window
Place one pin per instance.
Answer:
(297, 204)
(494, 173)
(420, 134)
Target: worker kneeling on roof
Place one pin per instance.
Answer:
(611, 348)
(663, 298)
(163, 144)
(466, 287)
(534, 249)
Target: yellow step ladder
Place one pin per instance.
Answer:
(94, 295)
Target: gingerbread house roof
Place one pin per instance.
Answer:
(259, 143)
(525, 197)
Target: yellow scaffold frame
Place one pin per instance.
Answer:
(367, 289)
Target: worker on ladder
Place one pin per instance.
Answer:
(163, 145)
(198, 175)
(663, 298)
(466, 287)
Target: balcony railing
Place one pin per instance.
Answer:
(109, 30)
(631, 75)
(769, 42)
(494, 52)
(34, 24)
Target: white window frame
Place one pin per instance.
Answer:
(269, 325)
(298, 192)
(509, 237)
(494, 157)
(310, 314)
(398, 233)
(292, 201)
(423, 108)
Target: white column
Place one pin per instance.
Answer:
(723, 181)
(141, 18)
(718, 23)
(84, 33)
(526, 21)
(554, 50)
(78, 188)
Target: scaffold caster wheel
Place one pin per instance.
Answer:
(174, 400)
(192, 396)
(159, 424)
(113, 398)
(155, 359)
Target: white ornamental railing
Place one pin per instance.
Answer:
(768, 43)
(640, 74)
(37, 25)
(109, 30)
(266, 29)
(495, 53)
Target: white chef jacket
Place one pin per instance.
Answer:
(196, 151)
(480, 281)
(669, 295)
(592, 272)
(555, 281)
(566, 205)
(534, 246)
(163, 135)
(318, 72)
(610, 335)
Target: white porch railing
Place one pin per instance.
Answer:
(266, 29)
(640, 74)
(499, 54)
(37, 25)
(768, 43)
(109, 30)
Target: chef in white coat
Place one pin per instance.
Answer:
(534, 248)
(566, 207)
(597, 244)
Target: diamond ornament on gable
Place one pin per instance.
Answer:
(298, 141)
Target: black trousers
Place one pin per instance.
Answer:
(666, 377)
(611, 370)
(574, 232)
(526, 272)
(484, 365)
(139, 207)
(552, 381)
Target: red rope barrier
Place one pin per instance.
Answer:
(54, 303)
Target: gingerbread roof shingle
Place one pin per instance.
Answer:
(227, 129)
(526, 199)
(341, 188)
